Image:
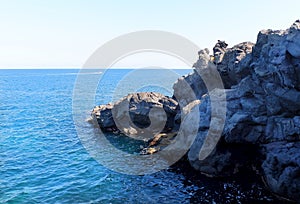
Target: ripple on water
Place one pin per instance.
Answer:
(43, 161)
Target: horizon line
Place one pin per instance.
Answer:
(27, 68)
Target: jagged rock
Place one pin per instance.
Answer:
(281, 168)
(204, 58)
(230, 66)
(134, 114)
(191, 82)
(263, 111)
(193, 86)
(282, 129)
(219, 50)
(262, 126)
(104, 118)
(293, 40)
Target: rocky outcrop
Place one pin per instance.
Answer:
(262, 128)
(219, 51)
(234, 65)
(261, 88)
(132, 114)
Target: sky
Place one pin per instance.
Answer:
(63, 34)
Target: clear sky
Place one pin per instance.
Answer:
(64, 33)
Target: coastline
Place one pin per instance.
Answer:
(261, 84)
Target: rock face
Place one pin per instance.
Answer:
(262, 127)
(281, 168)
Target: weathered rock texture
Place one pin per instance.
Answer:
(262, 126)
(132, 114)
(262, 129)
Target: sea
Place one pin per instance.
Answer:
(44, 160)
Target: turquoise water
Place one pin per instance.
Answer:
(41, 157)
(42, 160)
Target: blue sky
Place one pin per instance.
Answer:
(63, 34)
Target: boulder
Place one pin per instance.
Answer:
(138, 113)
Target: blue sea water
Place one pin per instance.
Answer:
(42, 159)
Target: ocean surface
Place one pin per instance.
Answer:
(42, 159)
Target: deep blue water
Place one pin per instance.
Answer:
(41, 157)
(42, 160)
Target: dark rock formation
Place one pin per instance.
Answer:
(132, 114)
(103, 115)
(234, 66)
(281, 168)
(219, 51)
(263, 109)
(262, 126)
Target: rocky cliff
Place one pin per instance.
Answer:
(262, 122)
(262, 129)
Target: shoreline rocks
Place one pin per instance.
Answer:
(137, 114)
(263, 107)
(262, 126)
